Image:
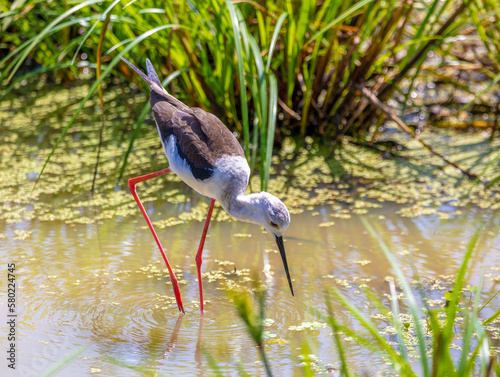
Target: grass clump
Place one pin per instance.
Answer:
(428, 341)
(268, 69)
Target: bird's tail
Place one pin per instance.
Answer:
(151, 78)
(155, 83)
(142, 74)
(152, 73)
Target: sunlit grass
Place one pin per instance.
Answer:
(247, 61)
(424, 343)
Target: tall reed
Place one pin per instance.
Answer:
(266, 68)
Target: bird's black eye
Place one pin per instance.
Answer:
(273, 224)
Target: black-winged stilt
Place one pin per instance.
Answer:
(207, 157)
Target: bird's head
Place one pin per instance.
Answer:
(275, 218)
(274, 215)
(264, 209)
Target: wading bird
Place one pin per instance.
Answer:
(208, 158)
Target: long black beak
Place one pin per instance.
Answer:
(279, 242)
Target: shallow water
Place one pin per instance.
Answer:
(102, 286)
(92, 281)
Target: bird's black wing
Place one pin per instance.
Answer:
(192, 144)
(201, 137)
(221, 141)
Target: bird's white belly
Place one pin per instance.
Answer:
(230, 173)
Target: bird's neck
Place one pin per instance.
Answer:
(244, 207)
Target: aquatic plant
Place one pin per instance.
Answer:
(242, 60)
(57, 367)
(351, 180)
(426, 338)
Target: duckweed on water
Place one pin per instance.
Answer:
(242, 235)
(352, 180)
(307, 326)
(362, 262)
(21, 234)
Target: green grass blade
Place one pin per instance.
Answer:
(344, 370)
(492, 317)
(94, 87)
(271, 125)
(470, 323)
(16, 51)
(89, 32)
(488, 87)
(52, 371)
(410, 298)
(15, 7)
(420, 31)
(262, 81)
(493, 181)
(457, 286)
(262, 105)
(124, 42)
(212, 364)
(484, 348)
(101, 96)
(140, 121)
(276, 34)
(40, 36)
(130, 3)
(305, 350)
(241, 75)
(380, 341)
(34, 73)
(476, 181)
(339, 19)
(489, 300)
(397, 323)
(370, 344)
(144, 371)
(135, 134)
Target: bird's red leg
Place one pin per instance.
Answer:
(200, 251)
(131, 184)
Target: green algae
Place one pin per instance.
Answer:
(352, 179)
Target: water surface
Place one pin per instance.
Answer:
(103, 286)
